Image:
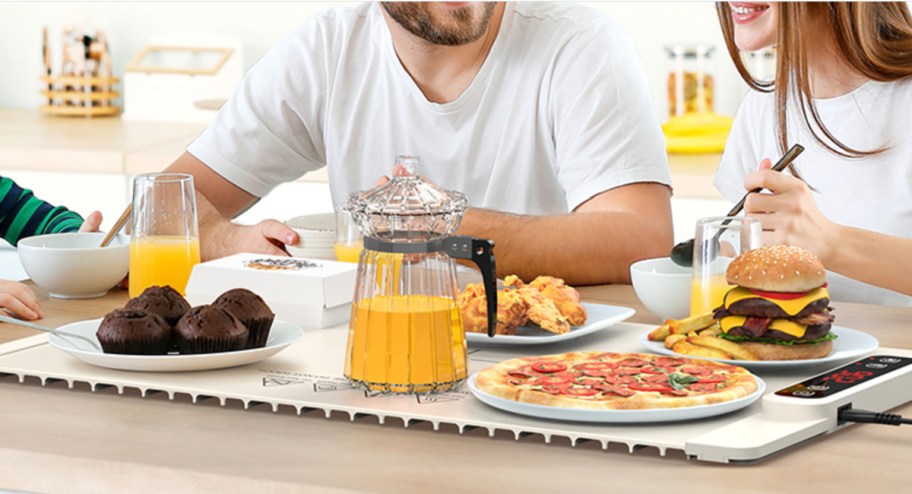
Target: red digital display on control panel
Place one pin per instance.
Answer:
(834, 381)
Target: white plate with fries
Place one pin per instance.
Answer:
(599, 317)
(849, 344)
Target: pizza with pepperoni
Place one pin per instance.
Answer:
(615, 381)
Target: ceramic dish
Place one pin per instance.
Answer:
(616, 416)
(281, 335)
(599, 317)
(849, 344)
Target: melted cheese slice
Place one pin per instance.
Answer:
(791, 307)
(784, 325)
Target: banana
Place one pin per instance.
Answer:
(697, 133)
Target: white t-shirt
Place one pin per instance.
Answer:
(559, 112)
(873, 193)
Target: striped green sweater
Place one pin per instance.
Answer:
(23, 215)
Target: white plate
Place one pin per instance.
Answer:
(281, 335)
(616, 416)
(850, 343)
(598, 317)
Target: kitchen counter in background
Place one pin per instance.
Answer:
(62, 159)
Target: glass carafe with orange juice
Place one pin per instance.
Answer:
(164, 243)
(717, 242)
(406, 333)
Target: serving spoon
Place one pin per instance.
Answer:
(682, 254)
(20, 322)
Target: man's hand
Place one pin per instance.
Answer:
(225, 238)
(788, 213)
(91, 223)
(217, 199)
(20, 300)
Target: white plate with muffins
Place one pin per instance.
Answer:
(281, 335)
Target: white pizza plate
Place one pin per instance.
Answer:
(616, 416)
(598, 317)
(849, 344)
(281, 335)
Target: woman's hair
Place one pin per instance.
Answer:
(874, 38)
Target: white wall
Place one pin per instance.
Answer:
(260, 24)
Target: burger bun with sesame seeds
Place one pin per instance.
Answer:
(777, 268)
(779, 308)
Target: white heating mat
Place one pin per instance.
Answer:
(308, 375)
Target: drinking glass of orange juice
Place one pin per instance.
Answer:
(349, 240)
(717, 242)
(164, 244)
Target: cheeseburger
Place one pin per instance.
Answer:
(780, 307)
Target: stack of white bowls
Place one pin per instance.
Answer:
(316, 236)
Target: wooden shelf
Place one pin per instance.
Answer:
(81, 111)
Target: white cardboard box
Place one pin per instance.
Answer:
(309, 292)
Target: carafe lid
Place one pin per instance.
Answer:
(407, 208)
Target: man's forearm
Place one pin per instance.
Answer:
(584, 248)
(217, 201)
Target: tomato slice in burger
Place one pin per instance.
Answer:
(778, 295)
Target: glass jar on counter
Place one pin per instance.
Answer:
(691, 86)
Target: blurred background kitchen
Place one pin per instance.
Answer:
(161, 99)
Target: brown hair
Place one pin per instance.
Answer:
(873, 38)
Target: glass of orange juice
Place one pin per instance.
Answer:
(349, 240)
(717, 242)
(164, 243)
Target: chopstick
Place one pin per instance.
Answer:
(782, 164)
(118, 225)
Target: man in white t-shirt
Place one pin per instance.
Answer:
(539, 113)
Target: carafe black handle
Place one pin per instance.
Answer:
(481, 252)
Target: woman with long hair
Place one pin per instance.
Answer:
(843, 90)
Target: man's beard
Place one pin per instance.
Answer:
(456, 27)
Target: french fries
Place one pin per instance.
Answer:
(681, 326)
(698, 336)
(687, 348)
(736, 351)
(673, 339)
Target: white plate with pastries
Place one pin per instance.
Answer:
(281, 335)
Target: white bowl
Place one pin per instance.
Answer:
(306, 253)
(309, 243)
(662, 286)
(314, 226)
(72, 265)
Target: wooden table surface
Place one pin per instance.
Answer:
(55, 439)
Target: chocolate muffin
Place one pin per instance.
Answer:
(209, 329)
(162, 300)
(134, 332)
(252, 311)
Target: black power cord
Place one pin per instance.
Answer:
(866, 417)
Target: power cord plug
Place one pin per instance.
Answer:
(866, 417)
